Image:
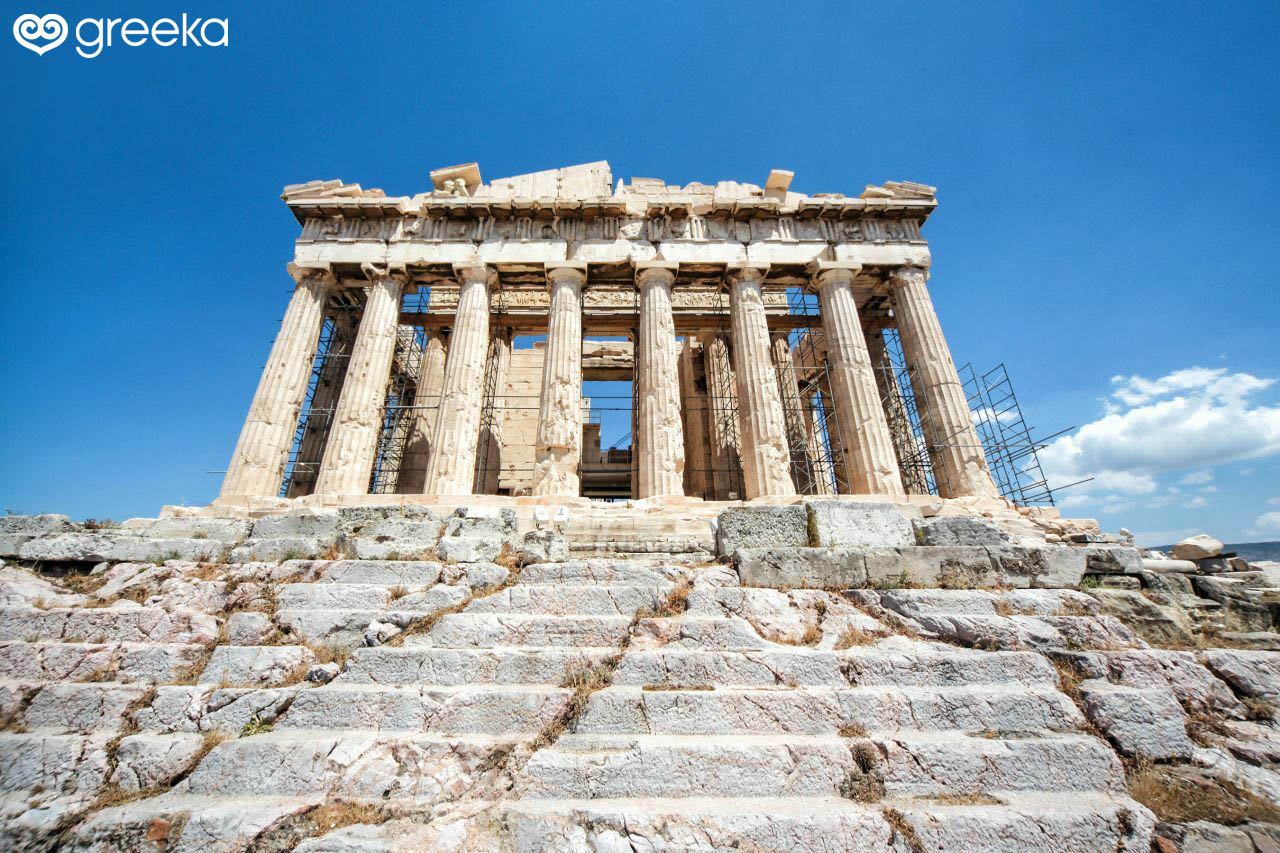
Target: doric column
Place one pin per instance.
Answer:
(871, 464)
(660, 435)
(558, 449)
(813, 443)
(895, 411)
(803, 473)
(453, 458)
(835, 438)
(426, 404)
(722, 418)
(960, 467)
(766, 459)
(324, 399)
(693, 405)
(257, 464)
(493, 413)
(357, 421)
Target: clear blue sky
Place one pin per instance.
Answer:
(1108, 176)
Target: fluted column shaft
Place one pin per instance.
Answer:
(357, 421)
(660, 434)
(960, 466)
(426, 404)
(453, 458)
(493, 413)
(871, 465)
(693, 405)
(895, 411)
(766, 458)
(558, 448)
(722, 417)
(802, 462)
(257, 463)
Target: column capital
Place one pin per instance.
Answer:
(656, 272)
(298, 273)
(904, 275)
(569, 273)
(824, 273)
(754, 273)
(474, 271)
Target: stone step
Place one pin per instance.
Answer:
(911, 763)
(124, 622)
(561, 600)
(344, 627)
(893, 661)
(487, 630)
(353, 763)
(70, 707)
(371, 597)
(1020, 821)
(486, 709)
(41, 661)
(452, 667)
(822, 711)
(388, 573)
(638, 572)
(69, 763)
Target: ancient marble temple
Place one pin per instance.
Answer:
(751, 321)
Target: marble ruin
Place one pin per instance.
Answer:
(429, 611)
(737, 394)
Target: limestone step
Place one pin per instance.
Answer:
(561, 600)
(370, 597)
(894, 661)
(911, 763)
(345, 627)
(821, 711)
(125, 622)
(387, 573)
(1020, 821)
(451, 667)
(603, 571)
(487, 630)
(43, 661)
(69, 763)
(70, 707)
(353, 763)
(486, 709)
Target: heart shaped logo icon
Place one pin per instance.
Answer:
(51, 27)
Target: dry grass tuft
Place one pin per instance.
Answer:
(584, 679)
(965, 800)
(397, 592)
(1180, 797)
(113, 795)
(190, 674)
(852, 730)
(677, 602)
(656, 688)
(854, 636)
(898, 826)
(330, 653)
(507, 557)
(812, 635)
(335, 815)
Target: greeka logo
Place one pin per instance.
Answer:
(94, 34)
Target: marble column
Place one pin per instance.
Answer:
(660, 434)
(871, 465)
(835, 439)
(324, 400)
(426, 405)
(959, 465)
(813, 441)
(803, 473)
(722, 418)
(558, 447)
(766, 458)
(357, 421)
(257, 463)
(895, 410)
(451, 470)
(693, 405)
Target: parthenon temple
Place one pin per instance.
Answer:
(776, 344)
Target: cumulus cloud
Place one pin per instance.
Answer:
(1193, 418)
(1267, 524)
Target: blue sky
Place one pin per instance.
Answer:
(1107, 179)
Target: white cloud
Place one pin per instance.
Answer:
(1266, 524)
(1274, 501)
(1196, 502)
(1204, 475)
(1198, 417)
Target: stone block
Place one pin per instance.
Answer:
(151, 760)
(481, 575)
(1112, 560)
(469, 549)
(842, 568)
(256, 666)
(283, 548)
(248, 628)
(956, 567)
(1050, 567)
(960, 530)
(1196, 547)
(17, 530)
(222, 529)
(543, 546)
(762, 527)
(313, 523)
(394, 538)
(834, 524)
(486, 520)
(1142, 723)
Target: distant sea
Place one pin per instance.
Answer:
(1254, 552)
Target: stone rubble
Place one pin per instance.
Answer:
(979, 691)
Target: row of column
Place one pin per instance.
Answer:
(448, 452)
